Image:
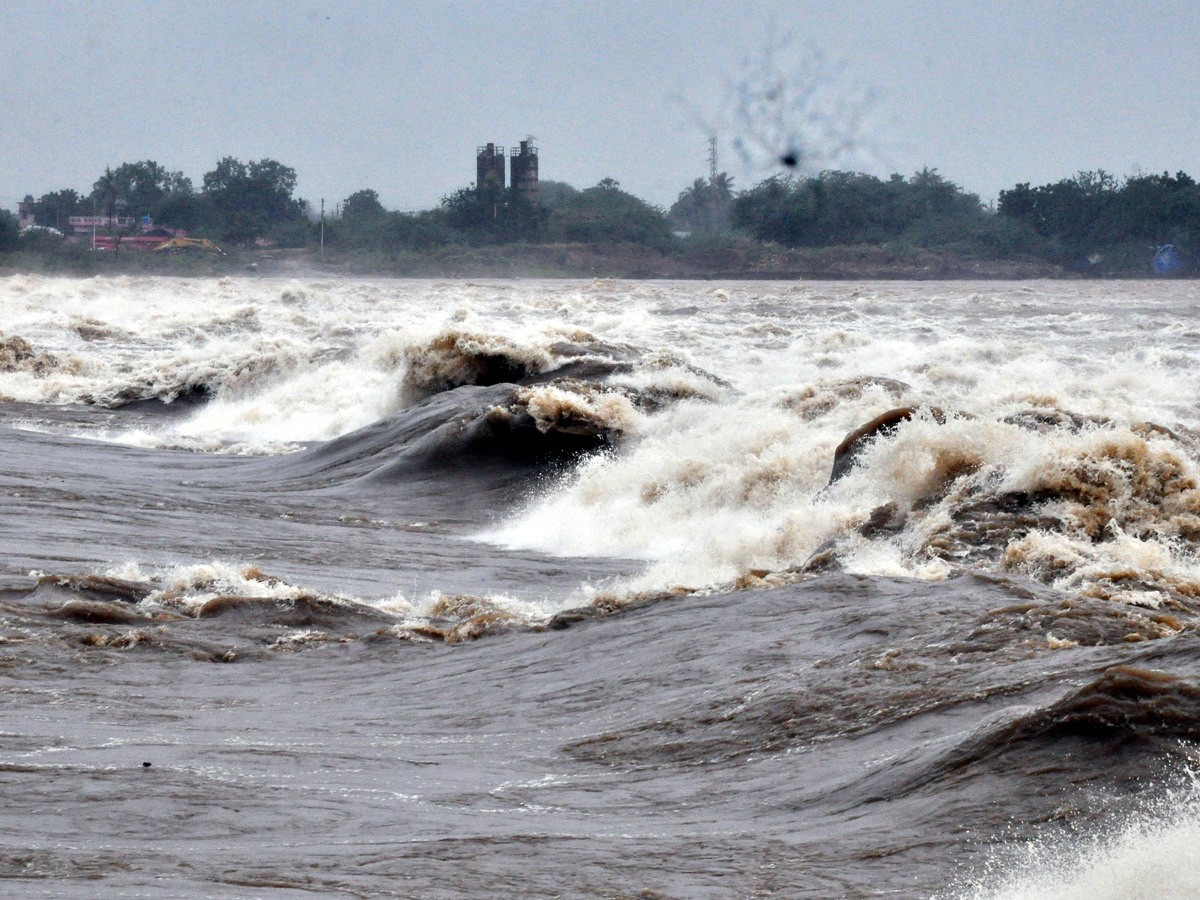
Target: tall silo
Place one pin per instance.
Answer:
(523, 164)
(489, 169)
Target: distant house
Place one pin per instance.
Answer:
(105, 232)
(85, 224)
(111, 232)
(25, 212)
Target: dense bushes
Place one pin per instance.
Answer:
(835, 208)
(600, 214)
(9, 231)
(1093, 219)
(254, 200)
(607, 214)
(703, 208)
(364, 225)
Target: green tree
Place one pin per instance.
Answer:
(1074, 214)
(110, 197)
(605, 213)
(192, 212)
(553, 194)
(141, 187)
(835, 207)
(106, 193)
(703, 208)
(492, 215)
(1158, 209)
(10, 231)
(1092, 219)
(54, 210)
(361, 222)
(415, 231)
(362, 206)
(468, 211)
(253, 200)
(364, 224)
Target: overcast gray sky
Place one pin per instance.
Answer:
(395, 96)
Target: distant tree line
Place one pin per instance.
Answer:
(845, 208)
(238, 202)
(600, 214)
(1091, 220)
(1088, 221)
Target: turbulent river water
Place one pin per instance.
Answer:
(440, 589)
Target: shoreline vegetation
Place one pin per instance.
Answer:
(568, 261)
(829, 225)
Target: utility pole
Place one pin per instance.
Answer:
(322, 227)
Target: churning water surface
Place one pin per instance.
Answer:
(539, 589)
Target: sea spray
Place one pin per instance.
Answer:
(1152, 854)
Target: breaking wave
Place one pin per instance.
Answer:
(748, 492)
(233, 367)
(730, 419)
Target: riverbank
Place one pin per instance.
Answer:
(683, 261)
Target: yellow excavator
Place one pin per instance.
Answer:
(189, 244)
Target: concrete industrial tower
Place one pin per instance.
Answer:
(489, 169)
(523, 166)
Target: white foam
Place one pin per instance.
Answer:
(188, 588)
(711, 487)
(712, 490)
(1153, 856)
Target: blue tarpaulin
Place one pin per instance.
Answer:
(1168, 259)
